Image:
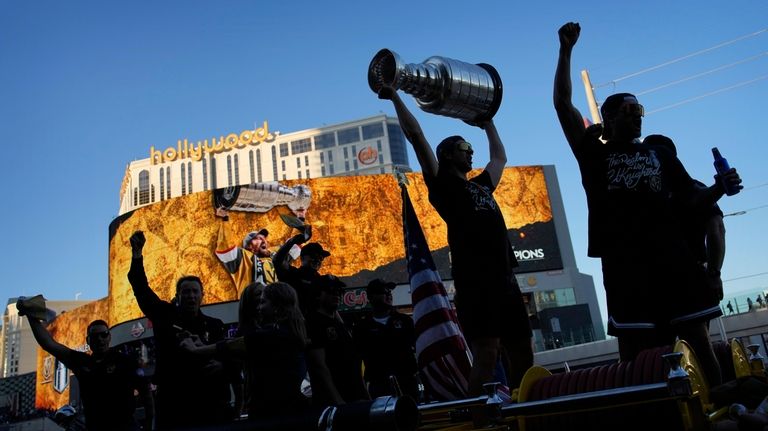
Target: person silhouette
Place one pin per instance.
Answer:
(730, 307)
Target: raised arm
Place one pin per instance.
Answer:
(280, 259)
(498, 156)
(44, 339)
(413, 133)
(149, 303)
(570, 118)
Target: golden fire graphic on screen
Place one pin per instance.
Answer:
(358, 219)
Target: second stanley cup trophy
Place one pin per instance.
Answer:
(442, 86)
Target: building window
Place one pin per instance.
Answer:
(346, 165)
(330, 156)
(306, 160)
(371, 131)
(322, 171)
(346, 152)
(183, 180)
(284, 177)
(381, 159)
(284, 149)
(229, 171)
(167, 182)
(381, 170)
(189, 176)
(205, 174)
(162, 184)
(301, 146)
(143, 187)
(152, 193)
(135, 196)
(251, 163)
(282, 165)
(298, 162)
(348, 136)
(326, 140)
(299, 174)
(274, 163)
(213, 172)
(258, 163)
(354, 163)
(330, 168)
(307, 173)
(236, 161)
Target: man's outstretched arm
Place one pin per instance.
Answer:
(413, 133)
(496, 151)
(45, 340)
(570, 117)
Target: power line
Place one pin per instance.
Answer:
(685, 57)
(712, 93)
(699, 75)
(745, 276)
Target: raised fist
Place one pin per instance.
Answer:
(569, 34)
(138, 241)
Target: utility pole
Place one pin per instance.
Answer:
(590, 97)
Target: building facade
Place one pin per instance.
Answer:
(18, 351)
(373, 145)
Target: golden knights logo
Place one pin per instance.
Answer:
(61, 377)
(47, 369)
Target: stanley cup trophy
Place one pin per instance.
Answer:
(442, 86)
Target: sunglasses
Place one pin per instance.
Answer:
(632, 109)
(464, 146)
(102, 335)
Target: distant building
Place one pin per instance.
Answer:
(373, 145)
(18, 348)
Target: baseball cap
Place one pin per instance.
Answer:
(315, 249)
(611, 105)
(378, 285)
(252, 235)
(328, 282)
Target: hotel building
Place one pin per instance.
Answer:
(373, 145)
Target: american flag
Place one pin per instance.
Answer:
(443, 355)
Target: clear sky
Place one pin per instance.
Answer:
(88, 86)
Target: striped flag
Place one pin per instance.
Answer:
(443, 355)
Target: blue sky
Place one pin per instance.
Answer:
(88, 86)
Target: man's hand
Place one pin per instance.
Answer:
(387, 93)
(21, 307)
(730, 179)
(222, 212)
(569, 34)
(137, 243)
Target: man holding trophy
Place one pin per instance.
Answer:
(488, 300)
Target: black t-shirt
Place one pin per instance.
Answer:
(631, 191)
(341, 357)
(275, 365)
(106, 387)
(301, 279)
(481, 253)
(386, 348)
(187, 392)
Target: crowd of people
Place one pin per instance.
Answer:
(657, 231)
